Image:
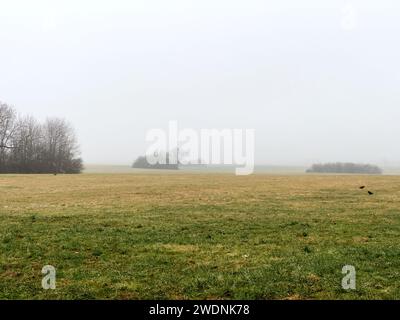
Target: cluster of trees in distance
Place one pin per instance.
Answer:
(339, 167)
(142, 163)
(28, 146)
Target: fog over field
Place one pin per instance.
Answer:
(317, 80)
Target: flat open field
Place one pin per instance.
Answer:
(199, 236)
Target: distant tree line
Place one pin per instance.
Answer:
(142, 163)
(339, 167)
(28, 146)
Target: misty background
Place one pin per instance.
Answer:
(317, 80)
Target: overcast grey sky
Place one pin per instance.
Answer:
(317, 80)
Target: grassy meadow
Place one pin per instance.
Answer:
(199, 236)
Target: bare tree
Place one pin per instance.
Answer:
(61, 148)
(7, 129)
(29, 146)
(26, 146)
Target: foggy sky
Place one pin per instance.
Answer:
(314, 85)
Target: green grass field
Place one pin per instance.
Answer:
(199, 236)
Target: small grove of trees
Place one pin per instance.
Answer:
(27, 146)
(345, 168)
(141, 163)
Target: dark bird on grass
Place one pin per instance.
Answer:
(370, 193)
(362, 187)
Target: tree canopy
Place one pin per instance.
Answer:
(340, 167)
(28, 146)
